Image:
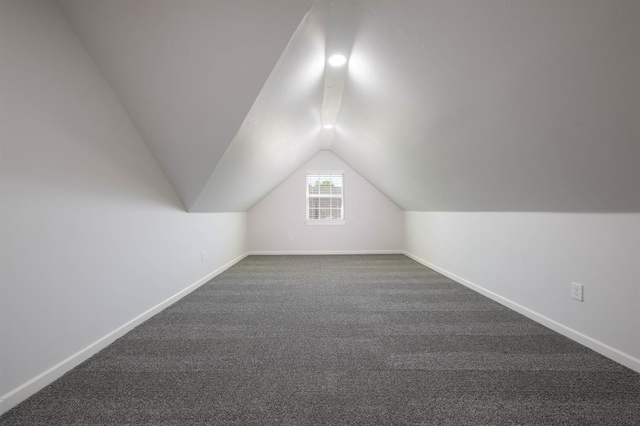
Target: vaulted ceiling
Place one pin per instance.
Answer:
(456, 105)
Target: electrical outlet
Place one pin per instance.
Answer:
(577, 292)
(202, 256)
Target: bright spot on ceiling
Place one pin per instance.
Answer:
(337, 60)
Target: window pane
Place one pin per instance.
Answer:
(324, 196)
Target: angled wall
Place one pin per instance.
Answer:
(187, 71)
(281, 130)
(92, 235)
(496, 105)
(277, 222)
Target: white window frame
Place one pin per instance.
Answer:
(309, 221)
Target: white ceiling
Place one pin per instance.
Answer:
(186, 71)
(497, 105)
(447, 105)
(281, 131)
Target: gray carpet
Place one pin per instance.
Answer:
(338, 340)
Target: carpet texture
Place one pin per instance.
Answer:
(374, 339)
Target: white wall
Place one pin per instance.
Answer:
(91, 232)
(277, 223)
(530, 259)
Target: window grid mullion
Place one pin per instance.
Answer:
(321, 186)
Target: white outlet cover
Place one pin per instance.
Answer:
(577, 292)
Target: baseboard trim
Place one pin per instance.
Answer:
(321, 252)
(602, 348)
(24, 391)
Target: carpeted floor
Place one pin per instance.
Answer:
(379, 339)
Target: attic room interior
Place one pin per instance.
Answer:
(319, 212)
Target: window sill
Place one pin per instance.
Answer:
(325, 222)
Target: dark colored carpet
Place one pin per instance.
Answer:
(338, 340)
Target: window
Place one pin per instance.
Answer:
(325, 198)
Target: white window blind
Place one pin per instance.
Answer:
(325, 197)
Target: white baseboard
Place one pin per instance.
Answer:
(24, 391)
(602, 348)
(322, 252)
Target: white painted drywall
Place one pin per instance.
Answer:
(531, 259)
(188, 71)
(462, 105)
(448, 105)
(91, 232)
(281, 130)
(277, 222)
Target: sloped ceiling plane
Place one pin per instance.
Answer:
(447, 105)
